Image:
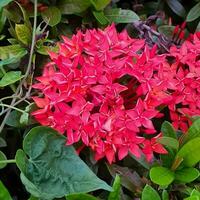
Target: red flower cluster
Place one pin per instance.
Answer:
(104, 88)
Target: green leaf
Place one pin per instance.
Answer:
(24, 118)
(150, 193)
(2, 19)
(2, 142)
(198, 27)
(166, 30)
(165, 195)
(190, 152)
(186, 175)
(193, 132)
(161, 176)
(101, 18)
(118, 15)
(194, 13)
(4, 3)
(115, 194)
(169, 142)
(177, 7)
(10, 77)
(80, 197)
(13, 59)
(195, 193)
(4, 194)
(52, 164)
(100, 4)
(13, 119)
(51, 16)
(2, 158)
(11, 51)
(142, 160)
(23, 33)
(167, 159)
(192, 198)
(168, 130)
(33, 198)
(73, 6)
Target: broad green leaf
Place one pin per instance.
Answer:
(10, 78)
(2, 142)
(100, 4)
(4, 194)
(177, 7)
(13, 119)
(161, 176)
(169, 142)
(33, 198)
(165, 195)
(80, 197)
(118, 15)
(194, 13)
(150, 193)
(168, 130)
(101, 18)
(2, 158)
(190, 152)
(11, 51)
(4, 3)
(166, 30)
(193, 132)
(51, 16)
(73, 6)
(23, 33)
(115, 194)
(52, 164)
(186, 175)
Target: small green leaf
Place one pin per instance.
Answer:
(115, 194)
(190, 152)
(186, 175)
(194, 13)
(13, 119)
(169, 142)
(150, 193)
(73, 6)
(13, 59)
(80, 197)
(168, 130)
(52, 164)
(177, 7)
(2, 142)
(33, 198)
(118, 15)
(51, 16)
(195, 193)
(10, 78)
(23, 33)
(100, 4)
(101, 18)
(2, 158)
(4, 3)
(24, 118)
(8, 52)
(193, 131)
(165, 195)
(161, 176)
(4, 194)
(166, 30)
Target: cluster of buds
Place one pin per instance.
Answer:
(105, 89)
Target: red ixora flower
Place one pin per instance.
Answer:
(105, 88)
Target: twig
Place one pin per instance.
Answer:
(17, 92)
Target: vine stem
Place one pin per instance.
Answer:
(7, 161)
(12, 107)
(28, 68)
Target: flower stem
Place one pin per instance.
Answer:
(7, 161)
